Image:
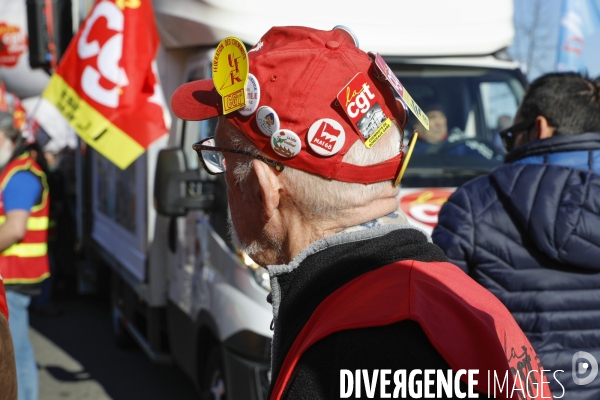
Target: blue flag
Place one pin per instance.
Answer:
(579, 19)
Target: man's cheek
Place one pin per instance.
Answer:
(230, 180)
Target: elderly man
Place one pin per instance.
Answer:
(529, 231)
(355, 289)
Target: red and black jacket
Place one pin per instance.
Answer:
(388, 301)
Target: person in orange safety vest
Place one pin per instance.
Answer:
(24, 212)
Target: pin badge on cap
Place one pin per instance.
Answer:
(267, 120)
(326, 137)
(252, 96)
(349, 32)
(230, 72)
(361, 105)
(385, 70)
(286, 143)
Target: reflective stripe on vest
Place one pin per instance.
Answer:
(26, 250)
(33, 223)
(21, 281)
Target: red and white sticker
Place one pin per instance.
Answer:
(423, 205)
(362, 105)
(326, 137)
(13, 43)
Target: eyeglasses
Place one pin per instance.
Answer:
(213, 160)
(509, 135)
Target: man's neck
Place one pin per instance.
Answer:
(301, 232)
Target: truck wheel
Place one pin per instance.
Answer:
(213, 377)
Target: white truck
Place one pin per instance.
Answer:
(179, 288)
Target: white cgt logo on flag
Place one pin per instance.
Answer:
(109, 56)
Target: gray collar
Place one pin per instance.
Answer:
(368, 230)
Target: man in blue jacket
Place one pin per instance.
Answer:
(530, 230)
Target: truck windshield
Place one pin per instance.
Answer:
(467, 107)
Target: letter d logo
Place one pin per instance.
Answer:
(579, 368)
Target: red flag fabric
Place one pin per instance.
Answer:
(106, 84)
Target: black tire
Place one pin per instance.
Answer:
(213, 385)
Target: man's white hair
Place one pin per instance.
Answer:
(319, 196)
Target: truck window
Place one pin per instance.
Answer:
(467, 107)
(118, 191)
(499, 105)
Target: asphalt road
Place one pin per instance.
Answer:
(78, 360)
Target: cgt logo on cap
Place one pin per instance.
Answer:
(362, 107)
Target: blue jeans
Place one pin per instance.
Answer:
(45, 297)
(27, 374)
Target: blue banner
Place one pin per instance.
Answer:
(579, 19)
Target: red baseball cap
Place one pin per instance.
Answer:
(299, 73)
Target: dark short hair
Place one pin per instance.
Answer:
(433, 106)
(569, 101)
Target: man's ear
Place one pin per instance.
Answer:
(268, 183)
(542, 130)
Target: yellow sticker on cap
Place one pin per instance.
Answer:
(406, 158)
(230, 73)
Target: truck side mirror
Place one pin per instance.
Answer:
(177, 189)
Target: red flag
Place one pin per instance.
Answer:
(105, 84)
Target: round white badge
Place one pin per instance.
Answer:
(326, 137)
(267, 120)
(252, 96)
(286, 143)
